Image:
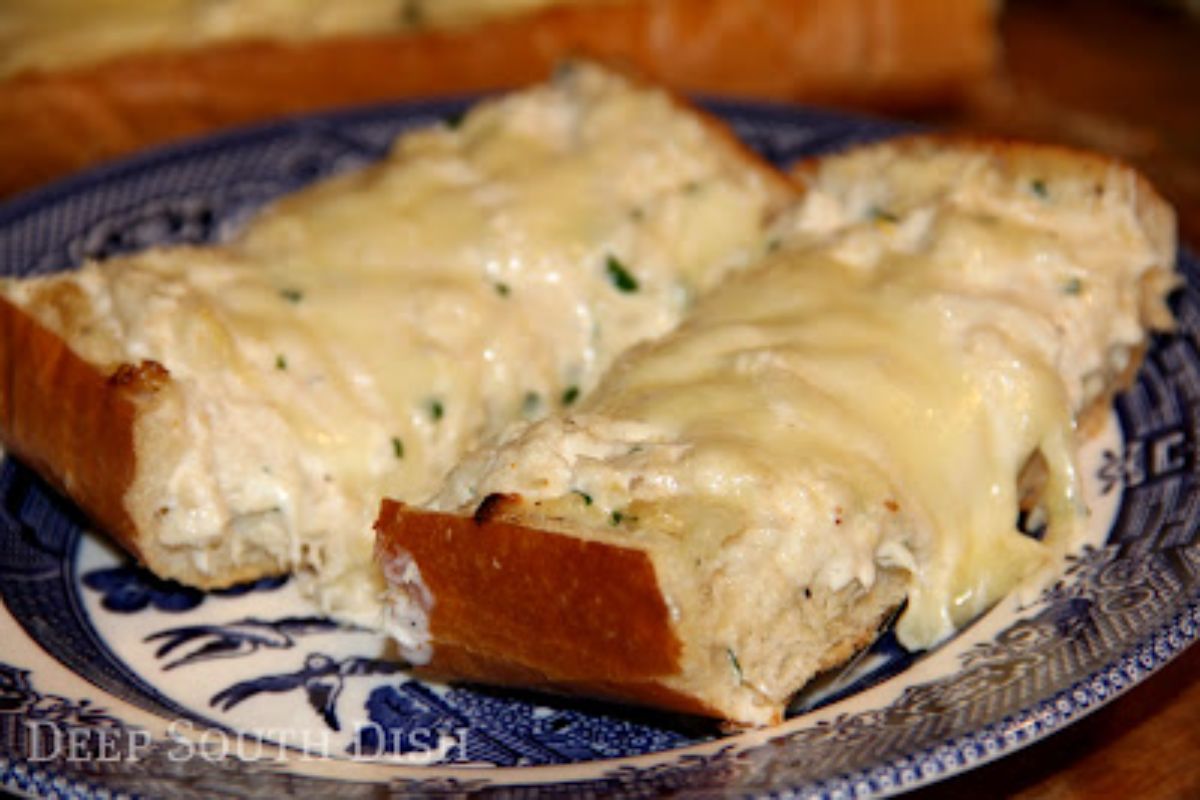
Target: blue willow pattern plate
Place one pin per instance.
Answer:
(116, 684)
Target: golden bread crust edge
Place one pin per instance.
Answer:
(70, 422)
(519, 606)
(500, 590)
(856, 51)
(462, 663)
(597, 608)
(76, 423)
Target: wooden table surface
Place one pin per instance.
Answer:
(1122, 77)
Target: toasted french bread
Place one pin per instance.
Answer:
(838, 431)
(85, 81)
(245, 406)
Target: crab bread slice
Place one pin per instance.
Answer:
(836, 432)
(234, 411)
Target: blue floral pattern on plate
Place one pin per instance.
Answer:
(143, 675)
(128, 589)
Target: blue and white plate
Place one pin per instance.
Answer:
(115, 684)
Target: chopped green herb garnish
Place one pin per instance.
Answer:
(878, 214)
(280, 361)
(587, 498)
(503, 289)
(774, 244)
(1038, 187)
(454, 120)
(397, 447)
(733, 662)
(620, 276)
(1073, 286)
(436, 410)
(531, 404)
(291, 295)
(616, 518)
(637, 214)
(570, 395)
(691, 187)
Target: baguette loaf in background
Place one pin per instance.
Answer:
(182, 67)
(245, 406)
(835, 432)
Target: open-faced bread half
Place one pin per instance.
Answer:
(235, 411)
(833, 433)
(82, 80)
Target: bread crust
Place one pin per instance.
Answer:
(464, 664)
(76, 422)
(597, 611)
(892, 53)
(529, 607)
(83, 441)
(558, 613)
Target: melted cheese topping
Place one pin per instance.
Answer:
(355, 340)
(53, 34)
(867, 398)
(837, 423)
